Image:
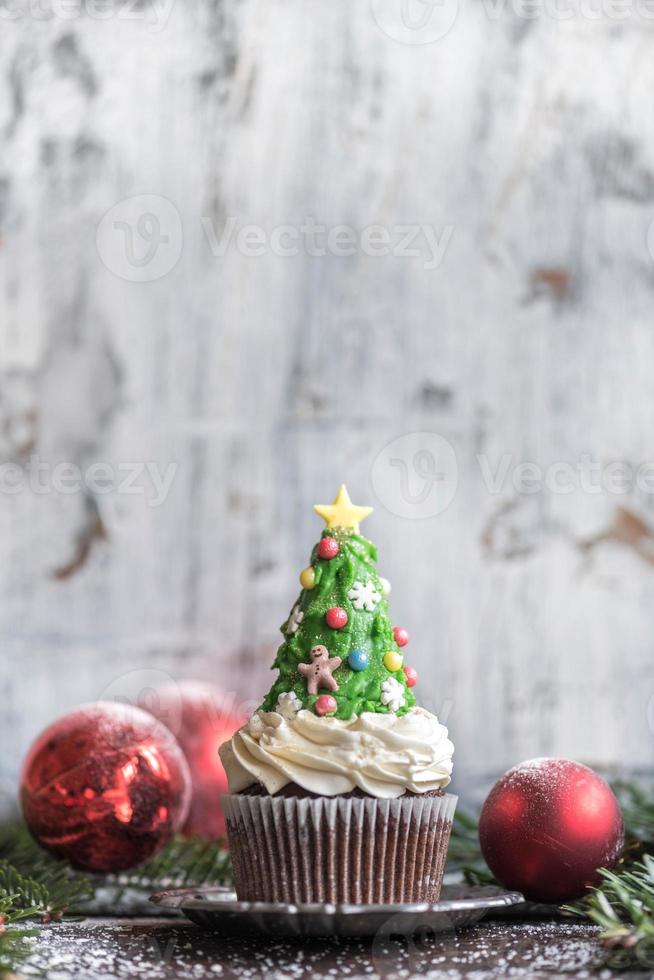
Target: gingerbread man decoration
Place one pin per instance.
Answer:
(319, 671)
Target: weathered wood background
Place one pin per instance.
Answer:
(527, 146)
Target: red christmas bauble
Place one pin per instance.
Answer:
(202, 717)
(547, 826)
(328, 548)
(336, 618)
(105, 787)
(411, 675)
(401, 636)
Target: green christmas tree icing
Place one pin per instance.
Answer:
(338, 583)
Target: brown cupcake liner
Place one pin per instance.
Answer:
(333, 849)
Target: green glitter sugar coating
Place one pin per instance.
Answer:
(358, 691)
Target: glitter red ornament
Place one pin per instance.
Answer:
(411, 675)
(401, 636)
(328, 548)
(326, 705)
(336, 618)
(547, 826)
(105, 787)
(201, 716)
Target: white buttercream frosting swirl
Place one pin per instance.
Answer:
(384, 755)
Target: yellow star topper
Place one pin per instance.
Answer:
(342, 513)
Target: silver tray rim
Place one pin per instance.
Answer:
(200, 899)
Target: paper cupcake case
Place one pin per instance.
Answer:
(337, 849)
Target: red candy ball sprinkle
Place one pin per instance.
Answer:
(411, 675)
(328, 548)
(401, 636)
(326, 705)
(547, 826)
(336, 618)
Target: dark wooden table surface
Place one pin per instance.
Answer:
(159, 949)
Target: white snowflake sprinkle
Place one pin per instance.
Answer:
(294, 620)
(288, 705)
(393, 694)
(364, 596)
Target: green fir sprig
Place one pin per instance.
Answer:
(34, 885)
(464, 853)
(623, 905)
(15, 947)
(47, 892)
(48, 896)
(183, 862)
(637, 804)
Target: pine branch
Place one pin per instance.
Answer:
(34, 884)
(15, 946)
(623, 905)
(185, 861)
(18, 847)
(637, 806)
(48, 895)
(464, 851)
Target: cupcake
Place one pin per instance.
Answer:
(336, 783)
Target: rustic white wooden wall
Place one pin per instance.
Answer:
(527, 145)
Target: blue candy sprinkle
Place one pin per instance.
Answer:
(358, 660)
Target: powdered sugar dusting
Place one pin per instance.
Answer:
(165, 949)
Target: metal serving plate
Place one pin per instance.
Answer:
(218, 909)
